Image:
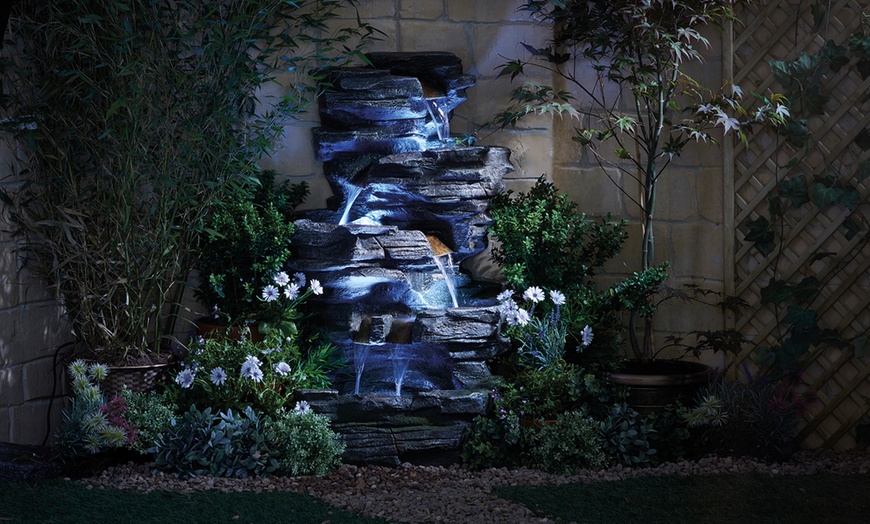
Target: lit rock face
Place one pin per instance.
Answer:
(409, 208)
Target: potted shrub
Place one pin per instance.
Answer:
(640, 50)
(131, 123)
(245, 244)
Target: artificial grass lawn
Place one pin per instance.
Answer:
(822, 498)
(61, 502)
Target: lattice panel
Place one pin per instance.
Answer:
(782, 30)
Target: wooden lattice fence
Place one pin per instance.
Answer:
(825, 238)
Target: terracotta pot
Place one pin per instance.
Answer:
(206, 329)
(654, 385)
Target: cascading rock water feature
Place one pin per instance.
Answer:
(416, 331)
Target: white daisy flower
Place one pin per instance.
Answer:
(282, 279)
(557, 297)
(270, 293)
(185, 378)
(316, 288)
(534, 294)
(282, 368)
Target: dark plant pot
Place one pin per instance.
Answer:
(654, 385)
(207, 329)
(138, 379)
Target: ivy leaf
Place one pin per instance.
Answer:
(796, 132)
(821, 256)
(825, 196)
(776, 292)
(774, 206)
(863, 67)
(795, 190)
(803, 320)
(862, 346)
(835, 55)
(760, 234)
(806, 290)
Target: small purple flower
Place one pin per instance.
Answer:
(270, 293)
(218, 376)
(586, 336)
(185, 378)
(282, 368)
(299, 279)
(505, 295)
(251, 369)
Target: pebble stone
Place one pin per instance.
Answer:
(455, 494)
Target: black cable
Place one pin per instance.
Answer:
(53, 391)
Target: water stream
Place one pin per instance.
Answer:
(442, 121)
(352, 194)
(448, 275)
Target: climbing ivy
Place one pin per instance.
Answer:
(795, 300)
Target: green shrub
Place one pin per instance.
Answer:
(571, 443)
(504, 437)
(304, 443)
(151, 414)
(755, 417)
(224, 444)
(91, 425)
(628, 436)
(226, 373)
(246, 243)
(546, 242)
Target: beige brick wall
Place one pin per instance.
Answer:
(484, 34)
(31, 329)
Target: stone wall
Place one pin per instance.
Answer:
(484, 34)
(31, 329)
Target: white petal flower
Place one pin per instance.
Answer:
(299, 279)
(251, 369)
(291, 291)
(586, 336)
(218, 376)
(316, 288)
(282, 368)
(302, 407)
(557, 297)
(282, 279)
(507, 294)
(523, 317)
(185, 378)
(534, 294)
(270, 293)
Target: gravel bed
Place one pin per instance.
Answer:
(455, 494)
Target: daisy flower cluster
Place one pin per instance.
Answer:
(542, 334)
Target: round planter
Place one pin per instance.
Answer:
(656, 384)
(206, 329)
(138, 379)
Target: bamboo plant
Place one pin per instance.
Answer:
(131, 119)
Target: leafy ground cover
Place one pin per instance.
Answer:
(707, 498)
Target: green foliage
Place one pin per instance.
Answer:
(90, 425)
(755, 417)
(571, 443)
(246, 243)
(224, 444)
(304, 443)
(628, 436)
(506, 436)
(132, 117)
(226, 373)
(792, 294)
(545, 242)
(151, 413)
